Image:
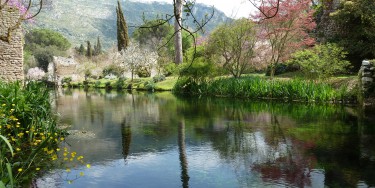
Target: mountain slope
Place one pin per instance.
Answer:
(82, 20)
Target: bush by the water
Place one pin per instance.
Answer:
(261, 88)
(29, 134)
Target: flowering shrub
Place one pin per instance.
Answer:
(29, 133)
(35, 74)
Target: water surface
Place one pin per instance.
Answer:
(159, 140)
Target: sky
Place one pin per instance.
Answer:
(232, 8)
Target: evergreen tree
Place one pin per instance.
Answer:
(89, 50)
(122, 29)
(81, 50)
(98, 47)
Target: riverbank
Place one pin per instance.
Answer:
(286, 87)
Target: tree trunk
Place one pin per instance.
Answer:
(178, 33)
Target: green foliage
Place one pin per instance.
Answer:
(158, 78)
(321, 61)
(89, 51)
(260, 88)
(198, 70)
(81, 50)
(122, 29)
(44, 44)
(97, 48)
(66, 80)
(120, 83)
(143, 72)
(45, 55)
(355, 20)
(45, 38)
(170, 69)
(282, 68)
(28, 125)
(113, 69)
(152, 33)
(231, 45)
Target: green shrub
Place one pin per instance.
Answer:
(113, 69)
(143, 72)
(120, 83)
(321, 61)
(28, 127)
(170, 69)
(149, 86)
(66, 80)
(158, 78)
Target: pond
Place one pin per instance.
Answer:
(160, 140)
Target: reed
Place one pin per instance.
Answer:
(262, 88)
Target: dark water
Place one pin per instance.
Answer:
(158, 140)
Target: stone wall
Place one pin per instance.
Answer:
(367, 76)
(11, 54)
(64, 67)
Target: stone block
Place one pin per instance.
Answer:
(367, 80)
(366, 63)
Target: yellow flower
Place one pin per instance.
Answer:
(67, 170)
(58, 149)
(20, 170)
(62, 138)
(3, 105)
(88, 166)
(18, 149)
(81, 174)
(37, 169)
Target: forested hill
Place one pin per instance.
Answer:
(82, 20)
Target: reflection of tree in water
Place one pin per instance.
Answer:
(126, 133)
(292, 166)
(182, 153)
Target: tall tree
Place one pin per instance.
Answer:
(98, 47)
(233, 44)
(89, 50)
(287, 31)
(177, 29)
(122, 29)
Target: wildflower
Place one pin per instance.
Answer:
(3, 105)
(37, 169)
(58, 149)
(88, 166)
(79, 157)
(62, 138)
(67, 170)
(81, 174)
(20, 170)
(18, 149)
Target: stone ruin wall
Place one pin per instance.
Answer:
(11, 54)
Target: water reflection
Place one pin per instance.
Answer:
(180, 142)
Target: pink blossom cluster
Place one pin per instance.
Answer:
(35, 74)
(18, 4)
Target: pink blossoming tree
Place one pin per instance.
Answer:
(25, 7)
(287, 31)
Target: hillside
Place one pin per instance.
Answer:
(82, 20)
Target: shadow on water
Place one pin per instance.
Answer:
(236, 143)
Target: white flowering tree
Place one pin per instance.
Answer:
(35, 74)
(134, 57)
